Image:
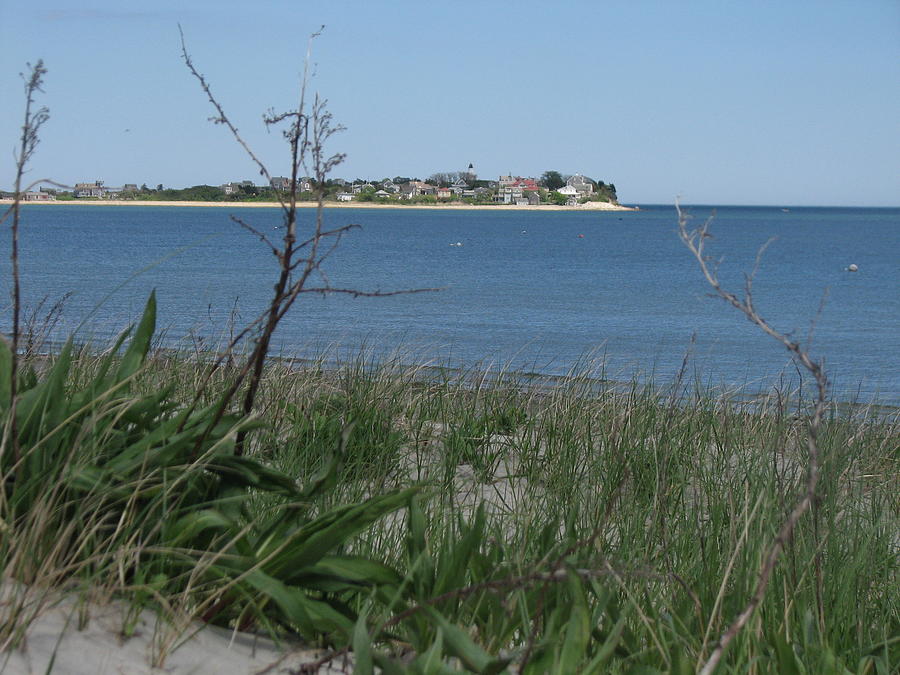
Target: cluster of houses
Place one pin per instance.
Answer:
(98, 190)
(388, 189)
(506, 190)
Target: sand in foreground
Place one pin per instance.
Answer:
(56, 642)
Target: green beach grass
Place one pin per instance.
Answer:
(577, 529)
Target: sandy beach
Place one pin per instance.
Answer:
(69, 636)
(590, 206)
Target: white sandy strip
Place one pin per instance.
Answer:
(99, 647)
(589, 206)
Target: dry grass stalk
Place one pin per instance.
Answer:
(695, 240)
(34, 120)
(309, 128)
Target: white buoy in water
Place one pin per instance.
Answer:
(852, 267)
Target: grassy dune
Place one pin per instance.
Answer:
(477, 524)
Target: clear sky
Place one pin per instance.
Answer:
(788, 102)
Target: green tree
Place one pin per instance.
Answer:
(552, 180)
(558, 199)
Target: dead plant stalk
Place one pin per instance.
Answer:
(695, 240)
(299, 260)
(28, 142)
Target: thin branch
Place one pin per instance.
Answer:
(260, 235)
(221, 118)
(308, 129)
(695, 241)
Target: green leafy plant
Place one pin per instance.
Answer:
(100, 481)
(158, 479)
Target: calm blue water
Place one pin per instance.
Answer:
(524, 290)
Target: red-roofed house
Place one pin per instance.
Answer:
(513, 190)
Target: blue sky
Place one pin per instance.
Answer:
(720, 102)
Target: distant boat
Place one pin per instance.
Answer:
(786, 210)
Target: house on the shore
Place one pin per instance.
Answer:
(39, 196)
(234, 188)
(582, 185)
(577, 187)
(230, 188)
(459, 186)
(516, 190)
(94, 189)
(361, 187)
(98, 190)
(570, 193)
(416, 188)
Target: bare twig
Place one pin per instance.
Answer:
(221, 118)
(261, 235)
(695, 240)
(307, 131)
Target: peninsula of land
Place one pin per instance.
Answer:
(457, 190)
(587, 206)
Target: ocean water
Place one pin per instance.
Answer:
(532, 291)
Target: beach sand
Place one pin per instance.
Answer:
(590, 206)
(77, 638)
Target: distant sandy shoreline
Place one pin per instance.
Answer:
(590, 206)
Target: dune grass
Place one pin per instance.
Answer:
(487, 523)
